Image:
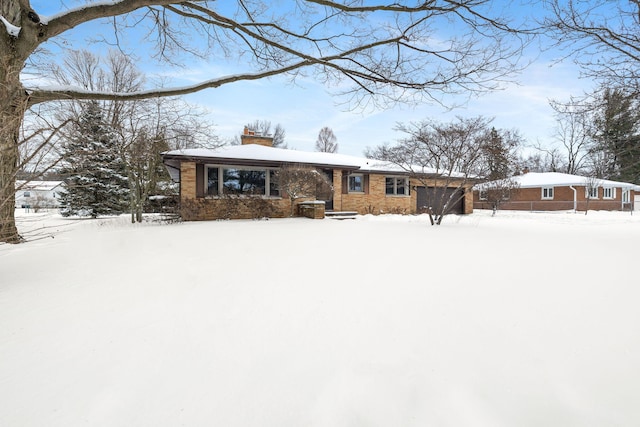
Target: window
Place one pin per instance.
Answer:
(547, 193)
(27, 194)
(626, 196)
(396, 186)
(591, 192)
(608, 193)
(240, 181)
(483, 194)
(212, 181)
(356, 183)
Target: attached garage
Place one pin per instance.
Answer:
(435, 197)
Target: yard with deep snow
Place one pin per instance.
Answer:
(522, 319)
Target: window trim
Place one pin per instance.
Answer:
(395, 178)
(588, 189)
(626, 196)
(612, 190)
(548, 190)
(222, 167)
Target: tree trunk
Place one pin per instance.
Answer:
(13, 100)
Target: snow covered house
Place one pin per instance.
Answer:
(554, 191)
(38, 194)
(360, 185)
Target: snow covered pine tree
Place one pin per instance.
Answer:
(95, 181)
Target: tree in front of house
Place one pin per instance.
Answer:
(443, 157)
(327, 141)
(95, 177)
(302, 182)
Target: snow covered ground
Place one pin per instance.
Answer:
(517, 320)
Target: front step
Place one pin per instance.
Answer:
(341, 214)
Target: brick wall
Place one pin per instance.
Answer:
(531, 199)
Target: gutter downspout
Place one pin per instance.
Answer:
(575, 199)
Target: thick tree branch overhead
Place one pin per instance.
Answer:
(397, 52)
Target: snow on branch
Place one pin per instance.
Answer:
(12, 30)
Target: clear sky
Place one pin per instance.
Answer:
(303, 109)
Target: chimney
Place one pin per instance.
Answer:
(249, 137)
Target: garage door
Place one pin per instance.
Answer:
(437, 196)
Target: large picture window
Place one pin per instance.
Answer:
(396, 186)
(240, 181)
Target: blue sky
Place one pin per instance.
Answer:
(304, 108)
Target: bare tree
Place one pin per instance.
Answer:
(573, 131)
(327, 141)
(498, 191)
(591, 185)
(443, 157)
(544, 159)
(601, 36)
(263, 127)
(300, 182)
(392, 57)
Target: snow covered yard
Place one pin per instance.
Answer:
(517, 320)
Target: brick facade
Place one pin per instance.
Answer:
(373, 200)
(563, 199)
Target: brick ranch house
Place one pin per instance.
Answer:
(360, 185)
(553, 191)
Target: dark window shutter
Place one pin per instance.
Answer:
(345, 183)
(199, 180)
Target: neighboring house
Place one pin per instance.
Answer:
(359, 184)
(553, 191)
(38, 194)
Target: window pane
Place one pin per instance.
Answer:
(240, 181)
(400, 186)
(355, 183)
(388, 183)
(273, 186)
(212, 181)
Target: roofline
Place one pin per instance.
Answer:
(251, 162)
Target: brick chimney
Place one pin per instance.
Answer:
(249, 137)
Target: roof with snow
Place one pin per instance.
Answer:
(556, 179)
(38, 185)
(253, 154)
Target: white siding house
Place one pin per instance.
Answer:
(38, 194)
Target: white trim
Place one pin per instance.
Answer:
(549, 190)
(588, 190)
(609, 189)
(395, 178)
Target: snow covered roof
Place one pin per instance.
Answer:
(556, 179)
(38, 185)
(262, 154)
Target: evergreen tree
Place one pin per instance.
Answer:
(95, 181)
(618, 136)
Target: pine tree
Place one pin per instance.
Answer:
(618, 136)
(95, 181)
